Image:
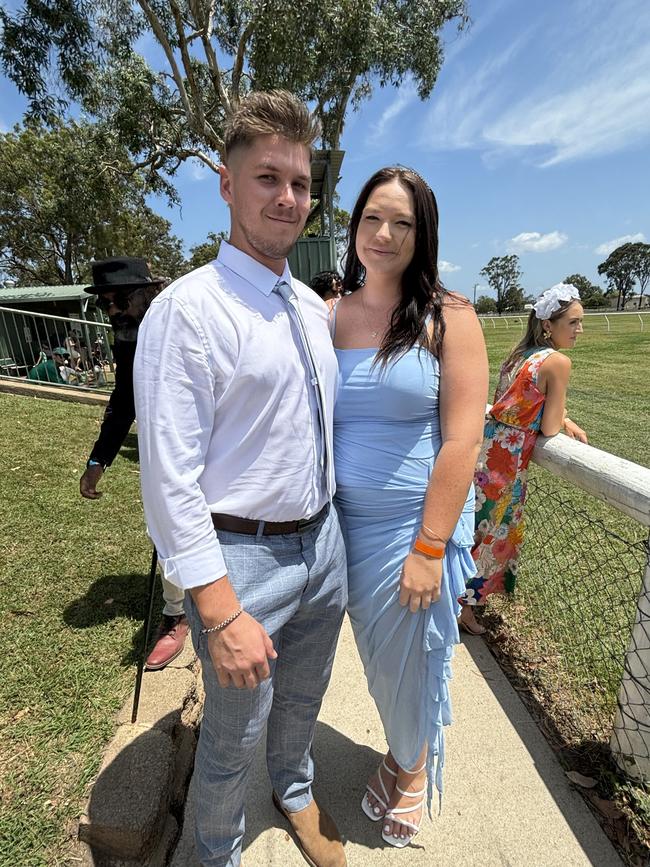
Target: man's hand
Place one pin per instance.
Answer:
(88, 483)
(420, 582)
(240, 653)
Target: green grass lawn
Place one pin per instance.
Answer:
(72, 588)
(609, 392)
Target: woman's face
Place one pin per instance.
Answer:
(565, 329)
(385, 240)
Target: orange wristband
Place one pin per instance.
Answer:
(436, 551)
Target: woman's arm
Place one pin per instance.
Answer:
(463, 395)
(553, 379)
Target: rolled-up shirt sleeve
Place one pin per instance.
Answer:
(175, 399)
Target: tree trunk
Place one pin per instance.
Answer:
(68, 262)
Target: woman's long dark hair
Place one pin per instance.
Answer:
(422, 291)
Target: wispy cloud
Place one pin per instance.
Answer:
(458, 110)
(447, 267)
(536, 242)
(606, 248)
(584, 91)
(405, 96)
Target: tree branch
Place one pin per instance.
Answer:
(210, 55)
(200, 155)
(239, 59)
(160, 35)
(198, 121)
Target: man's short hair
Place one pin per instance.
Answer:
(273, 112)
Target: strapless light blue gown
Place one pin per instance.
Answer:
(386, 437)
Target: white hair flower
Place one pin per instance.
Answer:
(551, 300)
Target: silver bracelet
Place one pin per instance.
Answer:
(223, 623)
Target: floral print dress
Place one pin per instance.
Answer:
(500, 478)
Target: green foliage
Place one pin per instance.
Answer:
(329, 54)
(341, 222)
(71, 194)
(641, 267)
(591, 296)
(503, 275)
(485, 305)
(203, 253)
(625, 265)
(345, 46)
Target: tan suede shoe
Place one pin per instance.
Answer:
(316, 835)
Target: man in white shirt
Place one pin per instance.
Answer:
(235, 380)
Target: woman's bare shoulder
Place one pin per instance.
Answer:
(556, 361)
(454, 300)
(459, 312)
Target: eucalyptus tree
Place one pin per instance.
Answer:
(165, 74)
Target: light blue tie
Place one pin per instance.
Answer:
(285, 292)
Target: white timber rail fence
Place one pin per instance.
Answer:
(610, 321)
(585, 582)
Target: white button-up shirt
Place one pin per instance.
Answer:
(227, 416)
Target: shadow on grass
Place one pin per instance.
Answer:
(116, 596)
(129, 450)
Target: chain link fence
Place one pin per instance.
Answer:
(577, 597)
(575, 640)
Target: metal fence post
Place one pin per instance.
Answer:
(630, 740)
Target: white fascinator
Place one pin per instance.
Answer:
(551, 300)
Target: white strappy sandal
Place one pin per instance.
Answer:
(393, 815)
(365, 803)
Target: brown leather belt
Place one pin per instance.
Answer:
(248, 527)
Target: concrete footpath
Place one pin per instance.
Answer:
(507, 800)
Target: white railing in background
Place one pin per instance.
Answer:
(512, 320)
(24, 334)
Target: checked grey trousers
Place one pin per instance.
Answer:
(295, 586)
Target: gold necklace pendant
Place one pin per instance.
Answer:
(373, 334)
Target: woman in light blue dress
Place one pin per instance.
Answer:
(408, 425)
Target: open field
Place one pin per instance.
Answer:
(72, 582)
(72, 588)
(609, 392)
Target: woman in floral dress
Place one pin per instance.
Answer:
(530, 398)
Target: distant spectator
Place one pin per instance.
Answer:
(47, 369)
(329, 286)
(72, 345)
(68, 374)
(125, 287)
(84, 354)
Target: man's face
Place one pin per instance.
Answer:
(266, 187)
(126, 307)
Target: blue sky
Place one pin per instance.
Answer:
(535, 140)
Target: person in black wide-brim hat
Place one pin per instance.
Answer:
(125, 288)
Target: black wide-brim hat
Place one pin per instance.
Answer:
(120, 272)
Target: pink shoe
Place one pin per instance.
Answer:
(170, 640)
